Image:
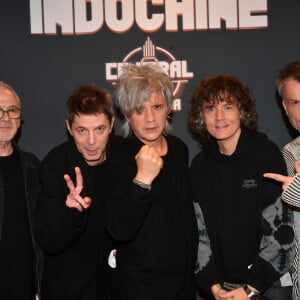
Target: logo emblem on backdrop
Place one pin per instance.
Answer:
(149, 54)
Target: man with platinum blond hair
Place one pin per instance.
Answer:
(150, 211)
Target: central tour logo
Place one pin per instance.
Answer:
(151, 54)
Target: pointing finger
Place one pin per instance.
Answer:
(277, 177)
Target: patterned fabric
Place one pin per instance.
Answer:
(291, 195)
(204, 251)
(270, 250)
(290, 154)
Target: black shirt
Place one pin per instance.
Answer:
(16, 250)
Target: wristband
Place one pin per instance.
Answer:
(251, 294)
(143, 185)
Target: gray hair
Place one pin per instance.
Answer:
(291, 70)
(11, 89)
(135, 85)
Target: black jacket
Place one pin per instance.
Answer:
(75, 243)
(29, 166)
(156, 229)
(249, 228)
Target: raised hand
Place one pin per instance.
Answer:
(149, 164)
(74, 200)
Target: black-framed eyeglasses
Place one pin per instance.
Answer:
(13, 113)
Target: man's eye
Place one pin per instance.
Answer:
(81, 130)
(228, 107)
(209, 109)
(157, 107)
(140, 110)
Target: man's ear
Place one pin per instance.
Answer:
(69, 127)
(112, 123)
(284, 106)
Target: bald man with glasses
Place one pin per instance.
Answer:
(19, 186)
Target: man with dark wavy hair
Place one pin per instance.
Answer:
(246, 238)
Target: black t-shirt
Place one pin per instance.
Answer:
(16, 250)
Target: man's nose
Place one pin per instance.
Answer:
(91, 138)
(149, 115)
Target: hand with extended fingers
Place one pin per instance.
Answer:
(285, 180)
(149, 164)
(74, 200)
(236, 294)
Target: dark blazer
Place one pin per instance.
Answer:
(156, 232)
(29, 166)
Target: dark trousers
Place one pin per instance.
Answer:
(278, 292)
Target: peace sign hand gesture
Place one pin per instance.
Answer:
(74, 200)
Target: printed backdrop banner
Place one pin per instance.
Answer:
(50, 47)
